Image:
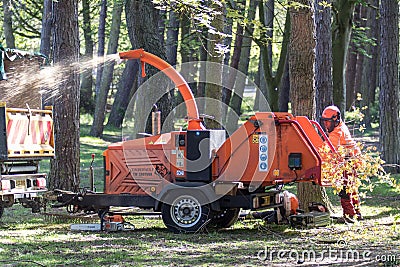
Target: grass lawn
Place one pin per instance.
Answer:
(37, 240)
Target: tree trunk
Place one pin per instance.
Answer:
(187, 40)
(234, 62)
(201, 87)
(284, 89)
(228, 38)
(171, 46)
(7, 24)
(45, 43)
(360, 58)
(301, 61)
(323, 85)
(352, 61)
(189, 56)
(370, 70)
(101, 39)
(389, 84)
(351, 65)
(273, 81)
(226, 90)
(240, 80)
(269, 19)
(272, 87)
(64, 173)
(161, 26)
(127, 86)
(45, 36)
(323, 57)
(234, 65)
(101, 96)
(172, 38)
(257, 81)
(341, 31)
(269, 15)
(213, 88)
(302, 91)
(142, 23)
(87, 102)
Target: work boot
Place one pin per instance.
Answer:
(358, 213)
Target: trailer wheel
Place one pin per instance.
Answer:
(226, 218)
(185, 214)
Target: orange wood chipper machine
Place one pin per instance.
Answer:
(200, 177)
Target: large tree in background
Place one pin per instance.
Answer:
(126, 87)
(301, 59)
(243, 67)
(108, 71)
(341, 32)
(86, 97)
(101, 43)
(171, 46)
(323, 56)
(302, 90)
(142, 20)
(45, 34)
(7, 24)
(389, 83)
(189, 51)
(214, 73)
(351, 60)
(361, 57)
(46, 41)
(371, 63)
(273, 79)
(322, 76)
(229, 80)
(64, 173)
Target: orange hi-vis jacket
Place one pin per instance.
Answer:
(340, 136)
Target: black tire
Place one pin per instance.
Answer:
(226, 218)
(1, 211)
(185, 214)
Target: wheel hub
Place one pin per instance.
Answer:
(186, 211)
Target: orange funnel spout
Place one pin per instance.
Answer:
(181, 84)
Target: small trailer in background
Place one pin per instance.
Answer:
(26, 138)
(26, 131)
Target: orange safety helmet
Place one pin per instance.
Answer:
(330, 114)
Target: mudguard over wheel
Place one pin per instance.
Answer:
(185, 213)
(225, 218)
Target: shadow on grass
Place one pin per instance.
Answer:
(29, 240)
(383, 214)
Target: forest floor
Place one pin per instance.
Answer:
(43, 240)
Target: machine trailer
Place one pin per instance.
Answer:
(200, 177)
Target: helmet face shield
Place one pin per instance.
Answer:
(327, 124)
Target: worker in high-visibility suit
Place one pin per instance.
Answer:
(339, 135)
